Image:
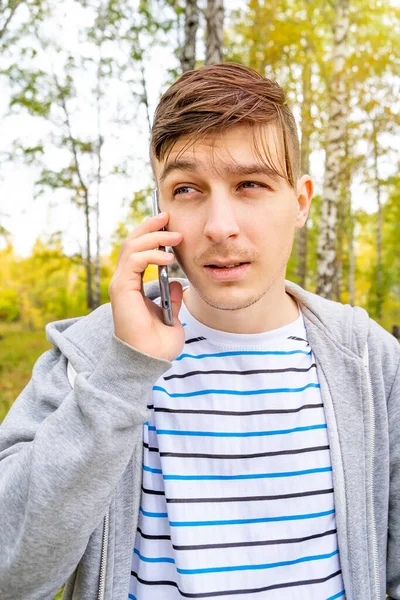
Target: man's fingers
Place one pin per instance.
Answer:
(150, 241)
(176, 291)
(139, 261)
(152, 224)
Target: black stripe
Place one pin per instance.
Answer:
(150, 448)
(264, 543)
(293, 337)
(154, 492)
(232, 456)
(279, 411)
(233, 592)
(153, 537)
(249, 498)
(218, 372)
(197, 339)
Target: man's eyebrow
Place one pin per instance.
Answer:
(177, 165)
(232, 169)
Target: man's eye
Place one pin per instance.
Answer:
(182, 190)
(251, 184)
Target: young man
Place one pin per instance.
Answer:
(250, 450)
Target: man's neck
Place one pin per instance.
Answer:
(274, 310)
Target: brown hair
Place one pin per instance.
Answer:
(216, 97)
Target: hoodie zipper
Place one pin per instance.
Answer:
(104, 544)
(103, 560)
(372, 413)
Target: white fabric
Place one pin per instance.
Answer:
(232, 527)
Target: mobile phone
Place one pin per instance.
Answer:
(166, 304)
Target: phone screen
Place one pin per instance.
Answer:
(163, 275)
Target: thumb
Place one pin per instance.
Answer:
(176, 292)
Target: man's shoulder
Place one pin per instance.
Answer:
(83, 340)
(384, 346)
(85, 337)
(349, 325)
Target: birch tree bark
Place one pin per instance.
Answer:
(306, 127)
(336, 125)
(215, 31)
(349, 221)
(188, 56)
(379, 274)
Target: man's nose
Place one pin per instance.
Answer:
(221, 218)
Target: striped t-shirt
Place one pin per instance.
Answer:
(237, 498)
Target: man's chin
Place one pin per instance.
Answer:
(229, 296)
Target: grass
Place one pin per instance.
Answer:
(19, 351)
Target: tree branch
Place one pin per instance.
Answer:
(14, 6)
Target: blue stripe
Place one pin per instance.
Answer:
(249, 476)
(157, 388)
(256, 567)
(235, 521)
(235, 434)
(244, 353)
(150, 470)
(249, 521)
(153, 515)
(339, 595)
(163, 559)
(131, 597)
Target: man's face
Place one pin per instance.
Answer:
(230, 209)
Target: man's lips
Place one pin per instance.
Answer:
(226, 263)
(227, 274)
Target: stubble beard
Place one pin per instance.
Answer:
(219, 305)
(239, 305)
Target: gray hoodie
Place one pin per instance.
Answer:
(70, 457)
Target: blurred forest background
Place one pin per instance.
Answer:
(340, 64)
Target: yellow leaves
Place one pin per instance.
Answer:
(31, 316)
(150, 273)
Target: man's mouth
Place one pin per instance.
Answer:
(227, 272)
(225, 266)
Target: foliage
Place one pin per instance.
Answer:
(88, 94)
(19, 350)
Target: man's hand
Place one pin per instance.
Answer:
(137, 319)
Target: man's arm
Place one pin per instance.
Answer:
(393, 555)
(62, 452)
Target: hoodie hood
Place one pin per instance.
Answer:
(78, 338)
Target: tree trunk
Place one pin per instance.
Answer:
(145, 97)
(188, 55)
(99, 174)
(343, 220)
(337, 112)
(12, 7)
(348, 222)
(84, 191)
(352, 264)
(215, 31)
(88, 261)
(379, 274)
(97, 268)
(305, 151)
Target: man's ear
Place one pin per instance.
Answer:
(305, 192)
